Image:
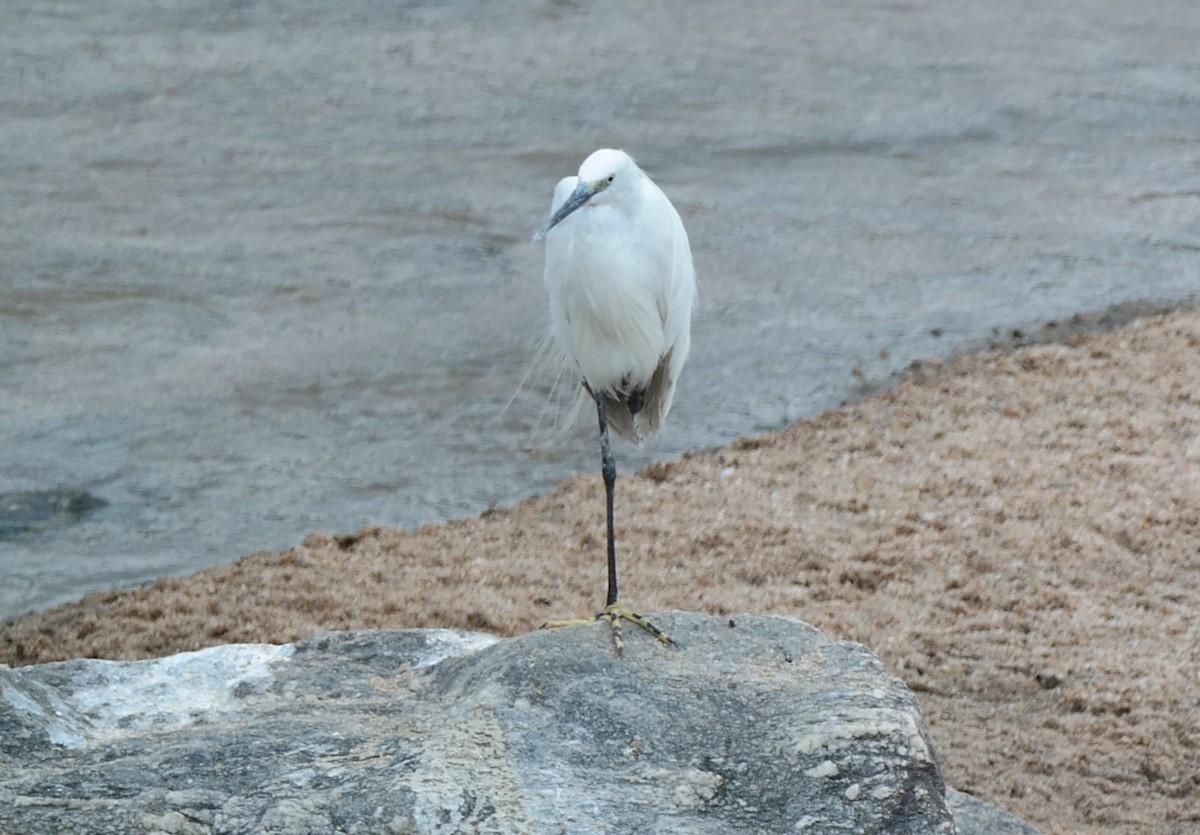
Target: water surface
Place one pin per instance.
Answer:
(265, 268)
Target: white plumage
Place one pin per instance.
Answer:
(621, 285)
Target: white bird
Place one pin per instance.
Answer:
(621, 284)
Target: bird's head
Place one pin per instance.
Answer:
(603, 174)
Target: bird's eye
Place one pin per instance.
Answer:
(611, 177)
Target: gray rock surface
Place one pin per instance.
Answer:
(973, 816)
(758, 724)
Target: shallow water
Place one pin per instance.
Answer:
(266, 270)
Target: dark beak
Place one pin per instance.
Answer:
(582, 194)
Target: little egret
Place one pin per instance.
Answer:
(621, 284)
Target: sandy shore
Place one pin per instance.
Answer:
(1016, 533)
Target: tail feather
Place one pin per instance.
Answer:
(655, 402)
(620, 419)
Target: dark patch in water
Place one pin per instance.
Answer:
(32, 511)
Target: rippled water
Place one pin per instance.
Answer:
(265, 268)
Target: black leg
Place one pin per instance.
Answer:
(608, 469)
(614, 612)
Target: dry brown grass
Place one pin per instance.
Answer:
(1017, 534)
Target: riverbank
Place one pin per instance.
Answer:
(1016, 533)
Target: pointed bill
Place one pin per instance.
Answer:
(582, 194)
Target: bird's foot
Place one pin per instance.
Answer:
(618, 612)
(613, 615)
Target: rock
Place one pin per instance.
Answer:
(754, 725)
(974, 817)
